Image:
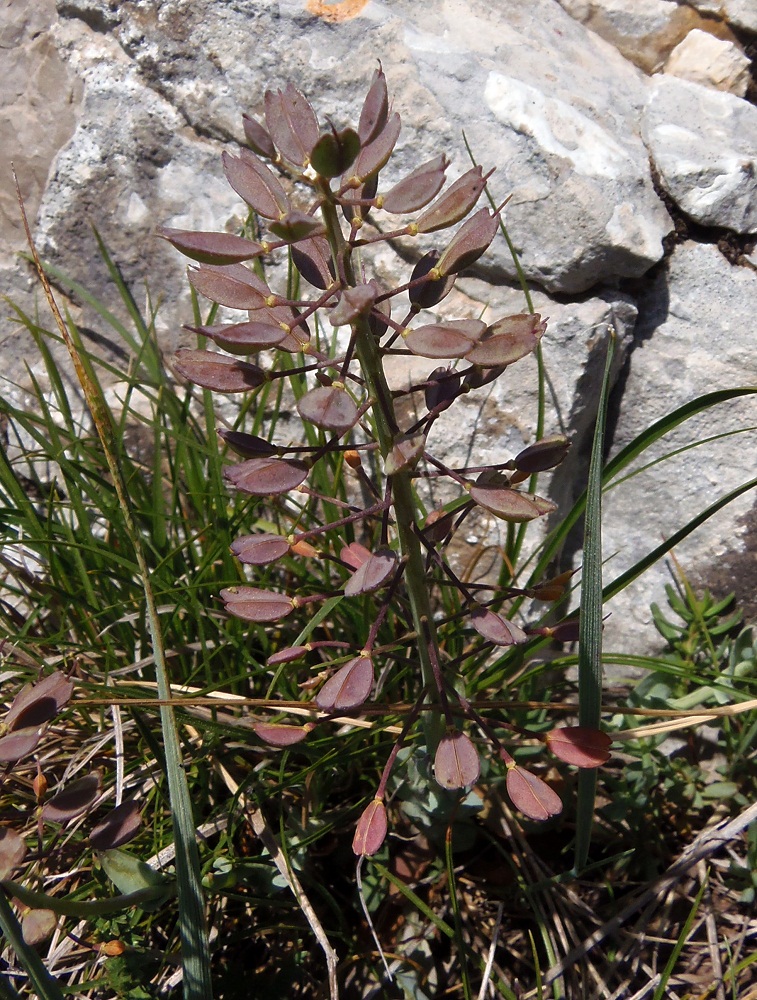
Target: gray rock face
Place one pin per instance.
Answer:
(693, 337)
(139, 99)
(704, 144)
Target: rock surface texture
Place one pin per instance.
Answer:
(116, 114)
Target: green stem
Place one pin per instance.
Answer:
(387, 429)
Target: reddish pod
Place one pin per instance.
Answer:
(329, 407)
(211, 248)
(581, 746)
(348, 688)
(265, 477)
(456, 762)
(256, 605)
(217, 372)
(370, 832)
(531, 795)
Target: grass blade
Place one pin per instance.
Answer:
(590, 634)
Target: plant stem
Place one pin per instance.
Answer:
(387, 429)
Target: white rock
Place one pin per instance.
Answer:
(704, 145)
(713, 62)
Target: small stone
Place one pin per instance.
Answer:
(711, 61)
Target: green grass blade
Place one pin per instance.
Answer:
(670, 965)
(590, 634)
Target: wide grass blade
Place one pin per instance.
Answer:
(590, 629)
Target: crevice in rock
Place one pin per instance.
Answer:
(102, 18)
(734, 246)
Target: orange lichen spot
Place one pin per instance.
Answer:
(344, 10)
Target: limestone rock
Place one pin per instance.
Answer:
(554, 107)
(704, 145)
(644, 31)
(711, 61)
(694, 336)
(39, 96)
(145, 96)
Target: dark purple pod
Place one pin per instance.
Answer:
(453, 204)
(375, 110)
(335, 152)
(296, 225)
(330, 407)
(256, 605)
(376, 320)
(356, 194)
(119, 827)
(211, 248)
(453, 339)
(38, 703)
(243, 338)
(353, 303)
(217, 372)
(511, 505)
(261, 549)
(456, 762)
(373, 156)
(438, 525)
(16, 745)
(476, 377)
(430, 292)
(256, 184)
(312, 258)
(247, 445)
(292, 124)
(348, 688)
(508, 340)
(76, 798)
(265, 477)
(258, 138)
(417, 189)
(495, 628)
(542, 455)
(232, 285)
(443, 388)
(470, 241)
(288, 655)
(372, 574)
(371, 828)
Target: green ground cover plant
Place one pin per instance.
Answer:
(236, 637)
